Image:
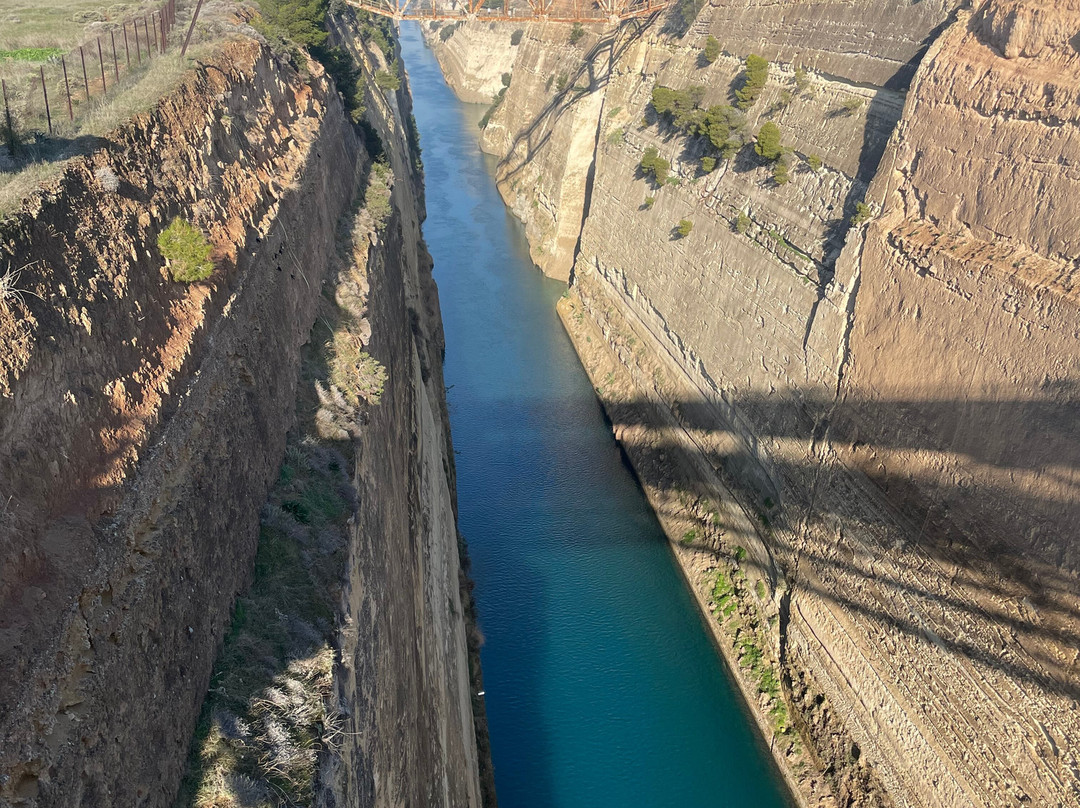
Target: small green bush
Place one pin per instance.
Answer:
(649, 202)
(780, 173)
(188, 252)
(742, 223)
(814, 162)
(711, 51)
(802, 80)
(708, 164)
(754, 78)
(656, 166)
(576, 33)
(852, 106)
(768, 145)
(560, 82)
(616, 136)
(515, 38)
(387, 81)
(863, 214)
(505, 79)
(684, 227)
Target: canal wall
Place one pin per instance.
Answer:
(847, 391)
(144, 420)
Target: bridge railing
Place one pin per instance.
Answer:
(568, 11)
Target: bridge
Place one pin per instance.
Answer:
(569, 11)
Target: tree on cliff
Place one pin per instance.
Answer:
(711, 52)
(653, 164)
(754, 78)
(768, 143)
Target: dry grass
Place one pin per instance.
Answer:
(41, 157)
(61, 23)
(267, 714)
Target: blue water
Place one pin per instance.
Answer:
(603, 687)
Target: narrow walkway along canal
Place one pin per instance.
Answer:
(603, 687)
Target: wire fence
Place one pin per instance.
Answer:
(52, 96)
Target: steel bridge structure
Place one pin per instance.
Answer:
(565, 11)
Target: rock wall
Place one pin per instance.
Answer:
(142, 420)
(875, 417)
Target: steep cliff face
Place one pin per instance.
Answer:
(142, 421)
(871, 421)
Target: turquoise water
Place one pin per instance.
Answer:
(603, 687)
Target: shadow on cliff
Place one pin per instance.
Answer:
(884, 548)
(596, 69)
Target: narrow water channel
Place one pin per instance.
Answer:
(603, 687)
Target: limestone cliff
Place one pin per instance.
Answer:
(142, 421)
(862, 432)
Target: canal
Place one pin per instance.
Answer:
(603, 686)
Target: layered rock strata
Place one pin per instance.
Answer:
(142, 420)
(870, 419)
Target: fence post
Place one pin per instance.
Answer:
(67, 89)
(127, 50)
(161, 25)
(45, 93)
(138, 45)
(86, 81)
(149, 41)
(7, 117)
(115, 64)
(191, 28)
(101, 64)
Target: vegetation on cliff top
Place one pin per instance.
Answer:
(755, 76)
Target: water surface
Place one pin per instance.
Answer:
(603, 686)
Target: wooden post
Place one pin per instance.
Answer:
(187, 39)
(101, 63)
(86, 81)
(164, 34)
(115, 63)
(67, 90)
(127, 50)
(45, 92)
(138, 45)
(7, 117)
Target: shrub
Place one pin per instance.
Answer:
(754, 78)
(852, 105)
(814, 162)
(802, 79)
(387, 81)
(560, 82)
(649, 202)
(711, 51)
(653, 164)
(616, 136)
(742, 223)
(515, 38)
(447, 32)
(768, 142)
(863, 214)
(780, 172)
(107, 179)
(576, 33)
(784, 100)
(708, 164)
(186, 249)
(684, 227)
(505, 79)
(495, 102)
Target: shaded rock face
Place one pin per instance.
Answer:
(892, 403)
(142, 420)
